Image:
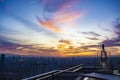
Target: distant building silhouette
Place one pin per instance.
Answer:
(2, 63)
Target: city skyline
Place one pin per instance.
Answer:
(59, 27)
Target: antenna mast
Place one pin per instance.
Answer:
(104, 57)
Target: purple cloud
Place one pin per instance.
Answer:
(114, 41)
(92, 38)
(117, 26)
(91, 33)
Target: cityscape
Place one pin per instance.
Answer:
(16, 67)
(59, 39)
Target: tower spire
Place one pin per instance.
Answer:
(104, 60)
(103, 47)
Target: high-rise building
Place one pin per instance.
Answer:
(2, 63)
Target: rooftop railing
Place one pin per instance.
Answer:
(53, 73)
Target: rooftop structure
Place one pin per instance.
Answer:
(80, 72)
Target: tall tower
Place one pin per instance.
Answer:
(104, 57)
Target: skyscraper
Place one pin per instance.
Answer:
(2, 63)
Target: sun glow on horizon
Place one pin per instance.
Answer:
(59, 27)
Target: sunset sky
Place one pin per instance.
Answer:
(59, 27)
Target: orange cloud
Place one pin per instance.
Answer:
(62, 50)
(67, 16)
(60, 18)
(65, 41)
(64, 14)
(50, 25)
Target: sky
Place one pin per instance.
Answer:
(59, 27)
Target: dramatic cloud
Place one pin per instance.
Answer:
(112, 42)
(115, 41)
(8, 47)
(50, 25)
(117, 27)
(32, 25)
(65, 41)
(58, 14)
(105, 29)
(92, 34)
(58, 27)
(92, 38)
(53, 5)
(20, 49)
(14, 48)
